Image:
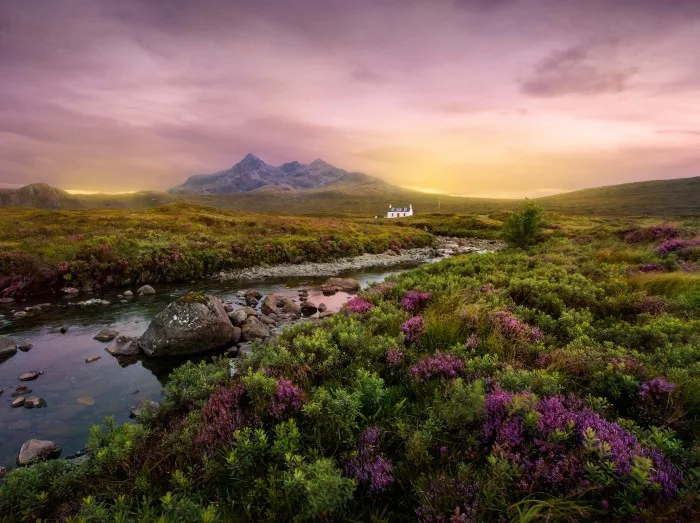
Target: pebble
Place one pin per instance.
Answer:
(30, 376)
(25, 347)
(91, 359)
(18, 402)
(21, 392)
(63, 330)
(34, 402)
(86, 400)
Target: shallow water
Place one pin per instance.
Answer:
(81, 394)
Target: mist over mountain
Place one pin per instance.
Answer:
(253, 174)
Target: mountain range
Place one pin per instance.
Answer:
(253, 174)
(319, 188)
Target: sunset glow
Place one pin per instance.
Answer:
(499, 97)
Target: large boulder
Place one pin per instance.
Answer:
(269, 304)
(8, 347)
(124, 346)
(253, 329)
(36, 450)
(341, 284)
(192, 324)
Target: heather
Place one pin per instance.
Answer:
(554, 383)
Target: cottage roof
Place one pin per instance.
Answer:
(399, 209)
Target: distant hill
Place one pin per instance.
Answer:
(355, 194)
(658, 197)
(253, 174)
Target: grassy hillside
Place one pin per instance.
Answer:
(44, 250)
(658, 197)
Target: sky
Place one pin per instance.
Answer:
(497, 98)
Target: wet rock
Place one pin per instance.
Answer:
(322, 307)
(267, 320)
(252, 297)
(232, 352)
(124, 346)
(36, 450)
(192, 324)
(93, 301)
(6, 301)
(341, 284)
(250, 311)
(128, 294)
(303, 292)
(291, 307)
(63, 330)
(269, 304)
(140, 407)
(303, 298)
(3, 471)
(273, 316)
(238, 317)
(326, 314)
(69, 290)
(253, 329)
(20, 314)
(91, 359)
(18, 402)
(8, 347)
(38, 308)
(30, 376)
(88, 401)
(25, 347)
(106, 335)
(20, 392)
(146, 290)
(308, 308)
(228, 307)
(34, 402)
(21, 388)
(236, 335)
(328, 291)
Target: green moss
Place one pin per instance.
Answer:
(193, 297)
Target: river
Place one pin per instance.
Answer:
(81, 394)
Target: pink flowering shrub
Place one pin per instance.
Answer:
(414, 300)
(652, 267)
(413, 329)
(650, 234)
(287, 399)
(676, 245)
(368, 465)
(565, 448)
(394, 357)
(222, 415)
(358, 305)
(512, 328)
(438, 365)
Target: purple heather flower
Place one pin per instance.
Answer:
(368, 465)
(222, 416)
(676, 245)
(414, 300)
(287, 398)
(656, 389)
(413, 329)
(438, 365)
(652, 267)
(358, 305)
(472, 342)
(653, 233)
(394, 357)
(512, 327)
(384, 287)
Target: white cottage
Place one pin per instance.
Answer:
(399, 212)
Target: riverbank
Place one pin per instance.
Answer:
(442, 247)
(44, 252)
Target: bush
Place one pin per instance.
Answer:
(522, 229)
